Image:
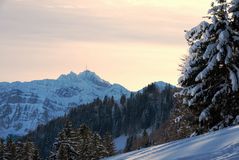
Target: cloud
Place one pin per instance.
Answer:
(137, 39)
(68, 20)
(2, 2)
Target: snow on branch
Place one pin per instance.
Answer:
(209, 68)
(211, 49)
(205, 114)
(197, 31)
(219, 93)
(234, 81)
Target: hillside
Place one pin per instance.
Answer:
(130, 116)
(220, 145)
(25, 105)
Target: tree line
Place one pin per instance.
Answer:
(11, 150)
(81, 144)
(130, 116)
(70, 144)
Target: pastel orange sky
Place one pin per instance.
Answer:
(131, 42)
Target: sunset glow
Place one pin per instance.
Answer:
(131, 42)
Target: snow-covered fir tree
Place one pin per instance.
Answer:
(62, 153)
(36, 155)
(210, 77)
(18, 151)
(234, 10)
(29, 152)
(98, 149)
(79, 144)
(64, 147)
(85, 140)
(109, 144)
(1, 149)
(9, 150)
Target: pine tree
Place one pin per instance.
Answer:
(233, 9)
(36, 155)
(65, 146)
(211, 71)
(1, 149)
(123, 100)
(78, 144)
(28, 151)
(98, 149)
(109, 144)
(112, 101)
(145, 140)
(19, 150)
(105, 101)
(129, 144)
(85, 142)
(117, 120)
(10, 150)
(62, 153)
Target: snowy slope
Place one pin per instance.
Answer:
(221, 145)
(24, 105)
(120, 143)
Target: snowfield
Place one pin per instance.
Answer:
(220, 145)
(120, 143)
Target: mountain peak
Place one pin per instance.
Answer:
(69, 77)
(93, 77)
(87, 76)
(49, 99)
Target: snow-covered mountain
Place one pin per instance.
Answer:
(25, 105)
(220, 145)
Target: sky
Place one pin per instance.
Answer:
(131, 42)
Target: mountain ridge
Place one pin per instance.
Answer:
(25, 105)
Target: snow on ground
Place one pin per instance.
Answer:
(218, 145)
(120, 143)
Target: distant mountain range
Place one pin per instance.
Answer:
(25, 105)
